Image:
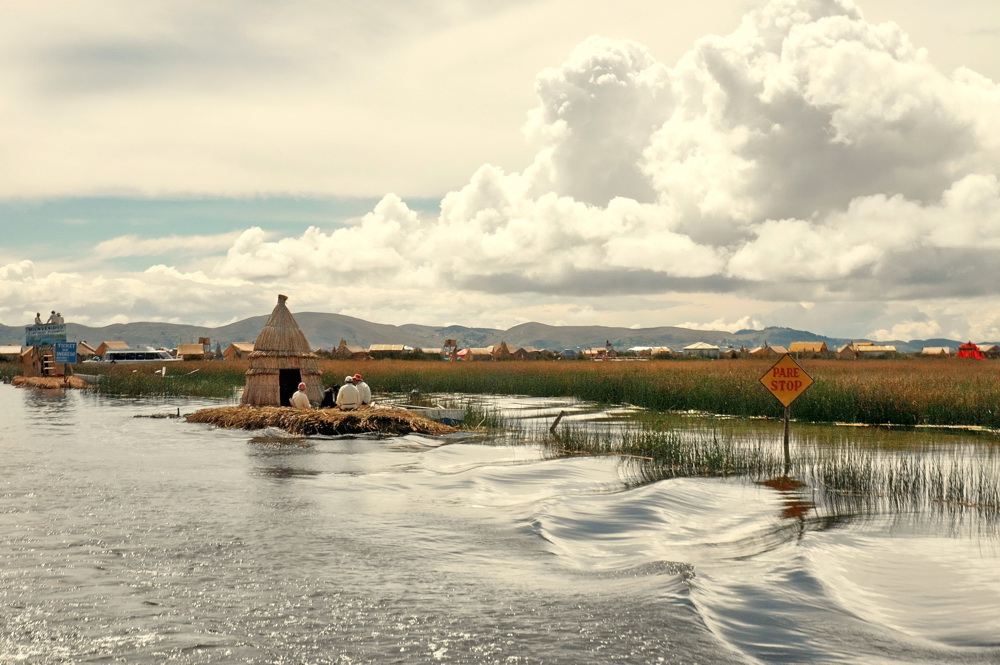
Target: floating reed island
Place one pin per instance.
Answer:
(374, 419)
(50, 382)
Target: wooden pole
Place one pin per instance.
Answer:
(788, 454)
(555, 422)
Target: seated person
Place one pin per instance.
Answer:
(348, 397)
(300, 400)
(329, 397)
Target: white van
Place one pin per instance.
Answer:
(146, 355)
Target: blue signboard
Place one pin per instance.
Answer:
(44, 335)
(65, 352)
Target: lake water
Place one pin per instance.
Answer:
(143, 540)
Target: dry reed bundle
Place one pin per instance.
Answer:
(49, 382)
(382, 420)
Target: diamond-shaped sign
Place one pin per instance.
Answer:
(786, 380)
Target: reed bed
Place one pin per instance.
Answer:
(481, 417)
(849, 476)
(900, 392)
(9, 369)
(672, 453)
(184, 379)
(381, 420)
(852, 474)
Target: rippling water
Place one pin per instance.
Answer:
(152, 540)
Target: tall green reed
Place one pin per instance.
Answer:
(902, 392)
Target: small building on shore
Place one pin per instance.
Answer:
(767, 351)
(808, 349)
(192, 352)
(10, 353)
(345, 351)
(970, 350)
(702, 350)
(876, 351)
(990, 350)
(109, 346)
(527, 353)
(238, 351)
(85, 351)
(389, 350)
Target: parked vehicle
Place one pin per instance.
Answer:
(147, 355)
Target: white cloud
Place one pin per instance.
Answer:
(22, 271)
(132, 245)
(745, 323)
(907, 330)
(808, 156)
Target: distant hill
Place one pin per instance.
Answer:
(324, 331)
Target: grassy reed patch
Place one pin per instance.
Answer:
(9, 369)
(192, 379)
(902, 392)
(849, 475)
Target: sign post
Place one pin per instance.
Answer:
(66, 352)
(786, 380)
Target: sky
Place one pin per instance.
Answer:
(825, 165)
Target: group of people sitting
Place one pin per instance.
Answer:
(353, 393)
(55, 317)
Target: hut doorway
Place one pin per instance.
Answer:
(288, 383)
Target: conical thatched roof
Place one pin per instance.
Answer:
(281, 345)
(281, 333)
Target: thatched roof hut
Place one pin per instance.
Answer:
(280, 360)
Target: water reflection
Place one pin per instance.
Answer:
(795, 503)
(152, 540)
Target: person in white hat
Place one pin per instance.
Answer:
(348, 397)
(300, 400)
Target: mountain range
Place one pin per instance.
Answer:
(324, 331)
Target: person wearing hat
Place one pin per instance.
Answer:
(363, 389)
(300, 400)
(348, 397)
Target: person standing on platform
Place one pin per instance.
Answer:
(299, 398)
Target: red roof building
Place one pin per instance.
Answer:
(970, 350)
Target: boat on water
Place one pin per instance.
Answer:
(446, 416)
(147, 355)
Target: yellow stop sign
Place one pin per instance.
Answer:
(786, 380)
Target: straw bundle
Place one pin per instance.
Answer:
(49, 382)
(281, 345)
(383, 420)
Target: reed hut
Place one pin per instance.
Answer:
(281, 359)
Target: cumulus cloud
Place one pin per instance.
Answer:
(810, 155)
